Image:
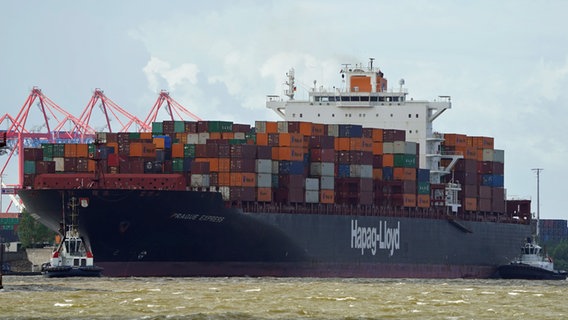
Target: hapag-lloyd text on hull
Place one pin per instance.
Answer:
(373, 238)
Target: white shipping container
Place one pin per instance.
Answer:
(192, 138)
(260, 126)
(388, 147)
(102, 137)
(59, 164)
(202, 138)
(312, 184)
(499, 156)
(488, 154)
(200, 180)
(327, 183)
(333, 130)
(403, 147)
(312, 196)
(239, 135)
(282, 126)
(322, 169)
(263, 166)
(225, 193)
(264, 180)
(361, 171)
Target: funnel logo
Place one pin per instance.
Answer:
(372, 238)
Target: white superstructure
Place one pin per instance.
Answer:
(367, 101)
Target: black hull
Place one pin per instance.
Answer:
(527, 272)
(190, 233)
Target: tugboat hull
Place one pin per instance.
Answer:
(68, 271)
(527, 272)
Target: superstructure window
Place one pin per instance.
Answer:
(409, 115)
(417, 115)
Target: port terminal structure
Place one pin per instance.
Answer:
(60, 126)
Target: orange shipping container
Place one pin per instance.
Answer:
(455, 140)
(243, 179)
(224, 179)
(367, 144)
(409, 200)
(377, 135)
(470, 204)
(291, 139)
(342, 144)
(388, 160)
(327, 196)
(264, 194)
(215, 135)
(146, 135)
(224, 164)
(159, 142)
(135, 149)
(306, 128)
(70, 150)
(355, 144)
(408, 174)
(262, 139)
(377, 173)
(82, 150)
(91, 165)
(177, 150)
(227, 135)
(288, 153)
(377, 148)
(360, 84)
(423, 200)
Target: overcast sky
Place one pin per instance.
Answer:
(504, 63)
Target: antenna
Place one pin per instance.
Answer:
(371, 63)
(537, 170)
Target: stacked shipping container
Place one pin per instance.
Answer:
(275, 162)
(480, 172)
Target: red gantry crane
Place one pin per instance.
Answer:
(55, 119)
(172, 107)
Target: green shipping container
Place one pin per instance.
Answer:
(423, 187)
(237, 141)
(177, 164)
(133, 135)
(179, 126)
(47, 149)
(220, 126)
(59, 150)
(157, 128)
(189, 150)
(29, 167)
(405, 160)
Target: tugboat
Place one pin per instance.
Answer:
(73, 257)
(533, 263)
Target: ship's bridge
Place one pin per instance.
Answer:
(366, 101)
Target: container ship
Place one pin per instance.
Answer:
(353, 182)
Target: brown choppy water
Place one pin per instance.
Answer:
(34, 297)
